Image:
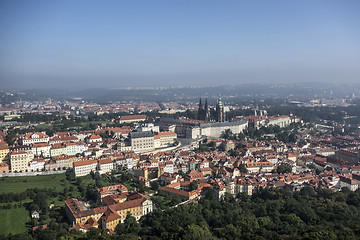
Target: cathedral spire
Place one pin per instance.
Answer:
(219, 111)
(206, 109)
(201, 111)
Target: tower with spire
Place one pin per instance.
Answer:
(206, 111)
(219, 110)
(203, 111)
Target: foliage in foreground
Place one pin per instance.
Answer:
(268, 214)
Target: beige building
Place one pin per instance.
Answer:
(132, 118)
(4, 152)
(167, 138)
(11, 117)
(142, 141)
(19, 161)
(259, 167)
(82, 168)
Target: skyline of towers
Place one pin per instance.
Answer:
(207, 113)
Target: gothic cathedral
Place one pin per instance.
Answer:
(210, 114)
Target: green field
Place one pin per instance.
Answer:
(13, 220)
(20, 184)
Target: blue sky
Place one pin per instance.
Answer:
(111, 43)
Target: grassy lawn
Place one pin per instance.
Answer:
(20, 184)
(13, 220)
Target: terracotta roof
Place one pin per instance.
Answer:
(128, 204)
(85, 162)
(37, 145)
(15, 153)
(110, 215)
(166, 133)
(259, 164)
(4, 147)
(94, 137)
(4, 165)
(58, 145)
(105, 161)
(29, 135)
(133, 117)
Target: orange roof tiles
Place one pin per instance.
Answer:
(84, 162)
(133, 117)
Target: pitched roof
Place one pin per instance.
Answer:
(85, 162)
(133, 117)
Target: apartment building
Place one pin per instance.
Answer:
(41, 149)
(106, 165)
(82, 168)
(19, 161)
(4, 152)
(58, 149)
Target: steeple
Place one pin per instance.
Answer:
(201, 111)
(219, 102)
(206, 109)
(219, 111)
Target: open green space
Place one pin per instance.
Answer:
(13, 220)
(20, 184)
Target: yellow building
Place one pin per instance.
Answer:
(4, 153)
(167, 138)
(19, 161)
(109, 216)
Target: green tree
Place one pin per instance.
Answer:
(155, 185)
(195, 232)
(283, 168)
(130, 225)
(193, 185)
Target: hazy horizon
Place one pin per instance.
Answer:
(114, 44)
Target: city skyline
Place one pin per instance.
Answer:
(82, 44)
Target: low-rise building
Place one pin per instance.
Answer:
(95, 139)
(108, 216)
(37, 137)
(167, 138)
(259, 167)
(62, 161)
(106, 165)
(132, 118)
(37, 164)
(4, 168)
(82, 168)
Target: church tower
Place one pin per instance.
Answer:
(206, 109)
(201, 111)
(219, 111)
